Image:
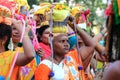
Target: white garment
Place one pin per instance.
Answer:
(57, 69)
(82, 25)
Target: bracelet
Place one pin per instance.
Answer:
(102, 33)
(50, 35)
(69, 34)
(19, 44)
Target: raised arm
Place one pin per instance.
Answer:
(29, 53)
(86, 51)
(97, 38)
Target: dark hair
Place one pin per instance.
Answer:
(41, 30)
(113, 40)
(5, 30)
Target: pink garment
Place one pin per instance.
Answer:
(46, 49)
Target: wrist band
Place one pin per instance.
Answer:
(19, 44)
(102, 33)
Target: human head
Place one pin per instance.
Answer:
(5, 35)
(15, 34)
(43, 34)
(72, 39)
(60, 44)
(5, 22)
(113, 40)
(80, 41)
(38, 18)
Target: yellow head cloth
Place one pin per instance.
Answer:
(5, 13)
(21, 3)
(44, 23)
(44, 7)
(77, 9)
(57, 30)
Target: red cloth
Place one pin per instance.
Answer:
(46, 49)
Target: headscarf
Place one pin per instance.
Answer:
(5, 11)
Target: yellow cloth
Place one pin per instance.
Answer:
(40, 11)
(21, 3)
(99, 65)
(60, 15)
(44, 8)
(6, 60)
(59, 29)
(4, 11)
(77, 9)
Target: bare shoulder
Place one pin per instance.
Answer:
(112, 72)
(115, 67)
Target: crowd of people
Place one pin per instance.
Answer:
(55, 44)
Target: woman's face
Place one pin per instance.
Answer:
(45, 36)
(61, 45)
(37, 19)
(15, 34)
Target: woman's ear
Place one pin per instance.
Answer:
(38, 37)
(3, 41)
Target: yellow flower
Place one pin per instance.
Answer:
(61, 7)
(74, 11)
(57, 6)
(47, 9)
(67, 7)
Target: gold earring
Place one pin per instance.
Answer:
(11, 45)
